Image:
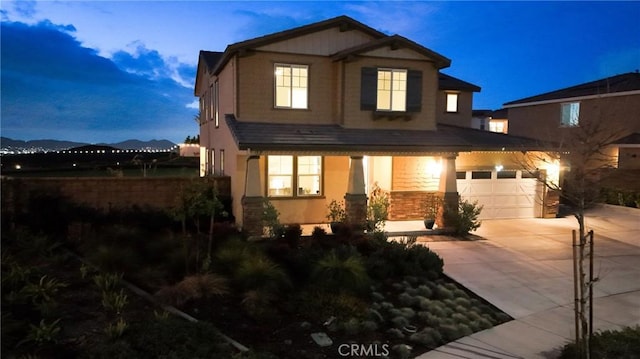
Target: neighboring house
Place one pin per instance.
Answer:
(327, 110)
(612, 101)
(489, 120)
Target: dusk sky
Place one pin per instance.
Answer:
(107, 71)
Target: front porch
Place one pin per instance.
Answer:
(392, 228)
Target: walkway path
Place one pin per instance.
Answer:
(524, 267)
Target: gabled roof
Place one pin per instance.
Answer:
(446, 82)
(262, 136)
(614, 84)
(395, 42)
(210, 58)
(345, 23)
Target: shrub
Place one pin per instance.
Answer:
(427, 337)
(257, 271)
(396, 333)
(351, 326)
(444, 293)
(341, 273)
(425, 291)
(464, 219)
(292, 235)
(377, 209)
(194, 287)
(322, 304)
(623, 343)
(399, 322)
(407, 312)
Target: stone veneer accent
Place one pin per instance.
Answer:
(356, 208)
(252, 210)
(408, 205)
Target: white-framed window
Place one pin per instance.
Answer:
(222, 162)
(570, 116)
(496, 126)
(213, 161)
(452, 102)
(291, 86)
(392, 90)
(216, 104)
(294, 176)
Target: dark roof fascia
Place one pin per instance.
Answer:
(448, 82)
(395, 41)
(345, 23)
(611, 85)
(631, 139)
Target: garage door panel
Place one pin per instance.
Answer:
(501, 197)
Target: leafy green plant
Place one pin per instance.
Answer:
(377, 209)
(337, 212)
(44, 290)
(107, 282)
(114, 301)
(341, 273)
(271, 220)
(257, 271)
(464, 218)
(116, 330)
(43, 333)
(622, 343)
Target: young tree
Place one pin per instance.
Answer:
(583, 152)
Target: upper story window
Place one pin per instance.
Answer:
(452, 102)
(291, 86)
(390, 90)
(570, 114)
(216, 104)
(286, 173)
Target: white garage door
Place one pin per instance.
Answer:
(504, 194)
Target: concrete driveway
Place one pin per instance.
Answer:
(524, 267)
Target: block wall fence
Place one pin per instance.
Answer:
(104, 193)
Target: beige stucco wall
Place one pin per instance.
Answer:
(353, 117)
(620, 113)
(256, 89)
(461, 118)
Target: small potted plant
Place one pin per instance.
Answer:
(337, 214)
(432, 205)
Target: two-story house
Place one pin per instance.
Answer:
(327, 110)
(610, 107)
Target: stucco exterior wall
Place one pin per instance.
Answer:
(543, 121)
(462, 118)
(354, 117)
(256, 89)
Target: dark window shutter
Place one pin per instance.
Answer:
(368, 88)
(414, 91)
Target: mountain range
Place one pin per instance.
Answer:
(11, 145)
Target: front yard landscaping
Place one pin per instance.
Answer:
(290, 296)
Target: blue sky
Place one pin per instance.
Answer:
(107, 71)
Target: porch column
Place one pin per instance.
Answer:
(252, 201)
(356, 197)
(448, 189)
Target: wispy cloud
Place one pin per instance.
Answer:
(51, 83)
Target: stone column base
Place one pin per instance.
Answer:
(356, 208)
(449, 203)
(252, 210)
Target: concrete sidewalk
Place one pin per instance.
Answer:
(524, 267)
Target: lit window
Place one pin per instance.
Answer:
(496, 126)
(222, 162)
(570, 114)
(291, 82)
(452, 102)
(309, 169)
(212, 97)
(216, 104)
(288, 172)
(392, 90)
